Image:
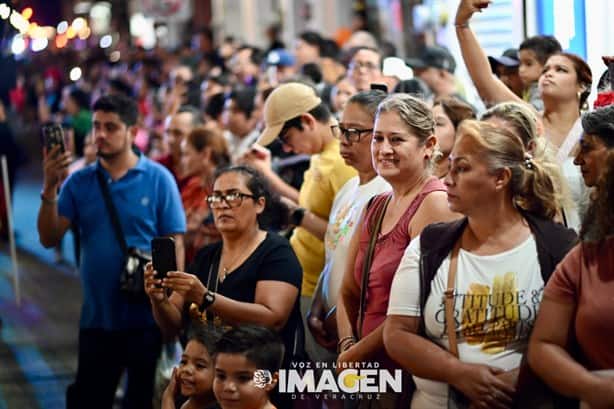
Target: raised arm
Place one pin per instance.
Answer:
(490, 88)
(52, 226)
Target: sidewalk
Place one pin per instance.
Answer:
(38, 342)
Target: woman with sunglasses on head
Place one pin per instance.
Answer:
(574, 328)
(465, 295)
(402, 149)
(251, 276)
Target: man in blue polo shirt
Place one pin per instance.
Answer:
(116, 333)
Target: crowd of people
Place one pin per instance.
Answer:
(325, 211)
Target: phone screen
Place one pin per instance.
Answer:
(53, 135)
(163, 256)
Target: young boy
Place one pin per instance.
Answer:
(533, 54)
(193, 378)
(247, 365)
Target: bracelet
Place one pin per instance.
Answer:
(464, 25)
(46, 200)
(341, 345)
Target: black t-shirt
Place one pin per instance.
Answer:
(273, 260)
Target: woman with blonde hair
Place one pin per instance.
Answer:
(521, 120)
(402, 150)
(489, 268)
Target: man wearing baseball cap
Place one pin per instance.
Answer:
(506, 68)
(436, 67)
(295, 115)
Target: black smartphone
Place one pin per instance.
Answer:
(381, 87)
(163, 256)
(53, 135)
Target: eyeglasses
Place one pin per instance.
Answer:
(234, 199)
(352, 135)
(356, 65)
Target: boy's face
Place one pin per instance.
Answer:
(234, 385)
(196, 371)
(530, 68)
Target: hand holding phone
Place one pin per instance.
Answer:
(53, 135)
(163, 256)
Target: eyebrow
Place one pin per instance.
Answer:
(235, 190)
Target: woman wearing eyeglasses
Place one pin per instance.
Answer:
(251, 276)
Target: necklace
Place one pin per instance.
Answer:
(240, 260)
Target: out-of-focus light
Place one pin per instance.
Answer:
(85, 33)
(20, 23)
(161, 31)
(61, 41)
(78, 24)
(115, 56)
(106, 41)
(75, 74)
(39, 44)
(27, 13)
(5, 11)
(62, 27)
(71, 33)
(83, 7)
(18, 45)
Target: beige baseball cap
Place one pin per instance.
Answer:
(287, 101)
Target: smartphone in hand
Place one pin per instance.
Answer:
(163, 256)
(53, 135)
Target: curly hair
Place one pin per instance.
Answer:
(598, 222)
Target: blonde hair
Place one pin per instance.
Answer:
(532, 185)
(524, 123)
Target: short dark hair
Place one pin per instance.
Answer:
(259, 345)
(275, 213)
(330, 49)
(197, 119)
(123, 106)
(369, 100)
(542, 45)
(205, 334)
(215, 105)
(321, 113)
(312, 71)
(256, 56)
(244, 98)
(312, 38)
(81, 98)
(600, 122)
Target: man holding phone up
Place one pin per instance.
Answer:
(116, 332)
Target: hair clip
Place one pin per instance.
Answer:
(262, 378)
(528, 163)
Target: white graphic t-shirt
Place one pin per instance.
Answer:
(347, 208)
(496, 301)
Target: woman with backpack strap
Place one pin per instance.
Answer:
(465, 295)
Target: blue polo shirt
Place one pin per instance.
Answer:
(148, 204)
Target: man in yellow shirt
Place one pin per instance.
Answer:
(302, 122)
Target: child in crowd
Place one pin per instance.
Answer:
(193, 378)
(533, 54)
(247, 365)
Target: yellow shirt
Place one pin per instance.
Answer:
(327, 173)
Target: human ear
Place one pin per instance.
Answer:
(271, 386)
(503, 178)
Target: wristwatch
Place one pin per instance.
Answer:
(297, 215)
(208, 299)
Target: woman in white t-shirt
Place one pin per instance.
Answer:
(356, 132)
(505, 249)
